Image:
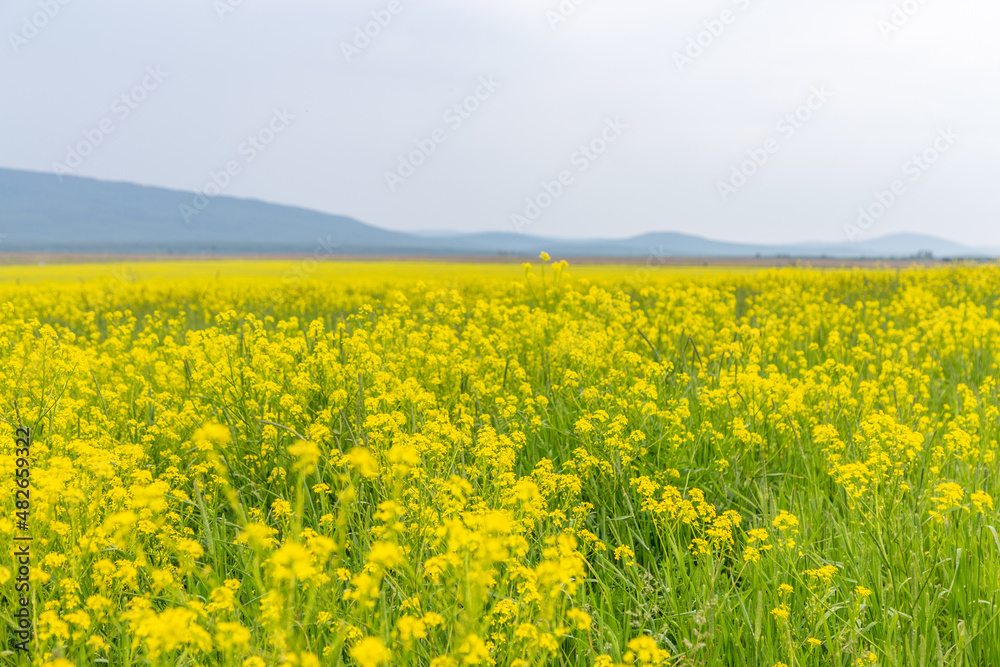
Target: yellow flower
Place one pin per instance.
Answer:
(544, 256)
(79, 619)
(404, 454)
(473, 650)
(370, 652)
(306, 455)
(867, 660)
(212, 433)
(257, 536)
(365, 588)
(51, 626)
(166, 631)
(824, 574)
(786, 522)
(281, 508)
(949, 495)
(526, 631)
(624, 553)
(231, 635)
(582, 620)
(410, 628)
(645, 650)
(433, 619)
(97, 643)
(363, 462)
(982, 500)
(292, 561)
(223, 597)
(189, 548)
(386, 554)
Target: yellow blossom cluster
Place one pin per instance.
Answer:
(455, 465)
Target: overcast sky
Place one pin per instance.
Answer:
(642, 109)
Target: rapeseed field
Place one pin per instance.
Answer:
(256, 464)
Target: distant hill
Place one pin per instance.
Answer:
(41, 213)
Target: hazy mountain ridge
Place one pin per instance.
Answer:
(41, 213)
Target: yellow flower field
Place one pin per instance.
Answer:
(364, 464)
